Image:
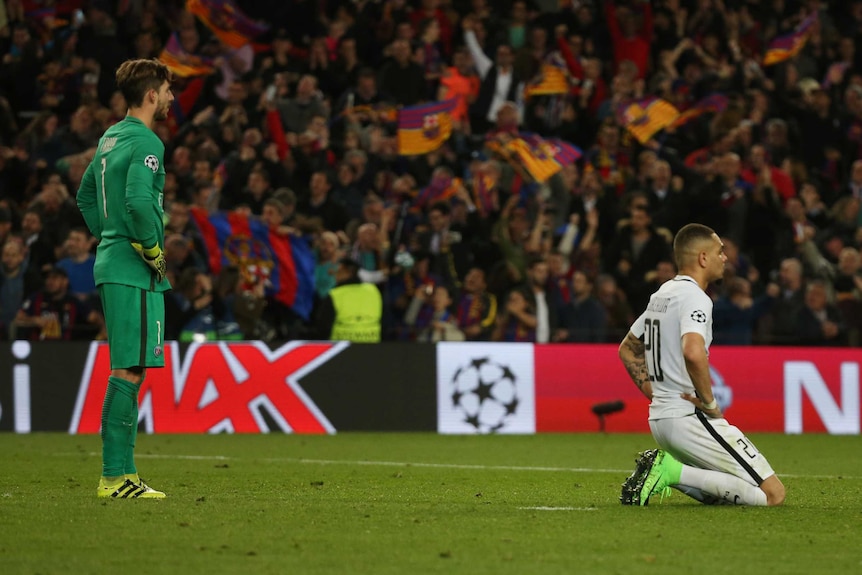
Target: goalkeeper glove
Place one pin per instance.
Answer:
(153, 257)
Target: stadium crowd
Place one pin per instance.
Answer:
(296, 127)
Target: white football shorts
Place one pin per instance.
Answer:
(700, 441)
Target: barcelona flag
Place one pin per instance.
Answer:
(644, 118)
(226, 21)
(285, 264)
(536, 156)
(424, 128)
(712, 104)
(539, 157)
(564, 152)
(789, 45)
(181, 63)
(441, 188)
(552, 79)
(483, 184)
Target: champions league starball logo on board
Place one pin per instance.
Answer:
(485, 392)
(484, 388)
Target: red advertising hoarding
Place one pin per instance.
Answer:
(785, 390)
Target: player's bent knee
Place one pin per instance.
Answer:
(774, 490)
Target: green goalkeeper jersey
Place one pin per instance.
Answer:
(121, 200)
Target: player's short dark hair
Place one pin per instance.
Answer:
(686, 237)
(137, 77)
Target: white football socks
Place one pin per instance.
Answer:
(723, 486)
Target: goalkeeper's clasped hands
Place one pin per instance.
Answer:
(153, 257)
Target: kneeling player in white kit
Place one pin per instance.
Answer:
(666, 353)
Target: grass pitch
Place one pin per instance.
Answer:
(413, 503)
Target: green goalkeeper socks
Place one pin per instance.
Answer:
(130, 468)
(120, 406)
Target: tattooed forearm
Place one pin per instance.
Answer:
(638, 372)
(632, 356)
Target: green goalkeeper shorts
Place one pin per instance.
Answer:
(135, 320)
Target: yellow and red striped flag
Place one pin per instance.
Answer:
(644, 118)
(787, 46)
(226, 21)
(552, 79)
(181, 63)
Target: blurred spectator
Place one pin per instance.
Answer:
(430, 315)
(618, 313)
(17, 280)
(320, 206)
(53, 313)
(460, 81)
(545, 317)
(180, 255)
(40, 249)
(634, 253)
(819, 320)
(298, 111)
(352, 311)
(450, 255)
(735, 315)
(782, 322)
(517, 321)
(327, 262)
(189, 312)
(78, 263)
(585, 320)
(498, 85)
(401, 78)
(477, 309)
(631, 33)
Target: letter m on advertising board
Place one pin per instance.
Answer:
(241, 387)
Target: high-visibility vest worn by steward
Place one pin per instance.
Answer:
(358, 311)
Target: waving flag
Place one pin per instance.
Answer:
(789, 45)
(441, 188)
(552, 79)
(483, 185)
(424, 128)
(565, 153)
(285, 264)
(644, 118)
(540, 158)
(712, 104)
(536, 156)
(226, 21)
(181, 63)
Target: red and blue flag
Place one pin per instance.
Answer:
(284, 263)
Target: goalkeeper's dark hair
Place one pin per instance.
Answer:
(687, 238)
(137, 77)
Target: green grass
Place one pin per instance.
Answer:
(316, 504)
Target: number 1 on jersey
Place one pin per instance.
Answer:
(652, 347)
(104, 195)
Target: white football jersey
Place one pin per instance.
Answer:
(677, 308)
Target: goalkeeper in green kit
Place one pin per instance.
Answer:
(121, 199)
